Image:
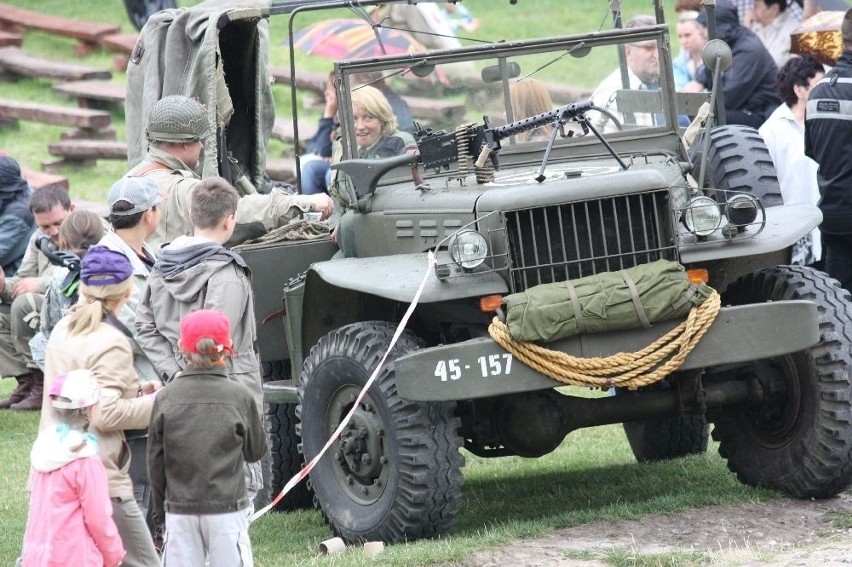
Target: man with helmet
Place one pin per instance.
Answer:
(176, 129)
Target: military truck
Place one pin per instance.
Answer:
(586, 188)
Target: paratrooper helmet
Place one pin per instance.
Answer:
(177, 119)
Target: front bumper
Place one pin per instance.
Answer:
(480, 368)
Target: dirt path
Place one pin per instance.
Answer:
(783, 532)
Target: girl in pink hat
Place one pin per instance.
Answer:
(70, 516)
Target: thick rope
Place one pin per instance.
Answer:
(630, 370)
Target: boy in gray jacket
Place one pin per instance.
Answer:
(203, 429)
(198, 272)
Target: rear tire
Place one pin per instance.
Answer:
(737, 160)
(669, 437)
(285, 461)
(799, 439)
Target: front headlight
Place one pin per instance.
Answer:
(469, 249)
(702, 216)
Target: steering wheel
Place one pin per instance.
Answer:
(609, 115)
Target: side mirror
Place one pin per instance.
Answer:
(494, 73)
(717, 50)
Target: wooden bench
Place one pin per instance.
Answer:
(16, 60)
(430, 110)
(39, 179)
(283, 130)
(306, 80)
(80, 152)
(91, 123)
(9, 38)
(87, 33)
(281, 169)
(93, 94)
(123, 44)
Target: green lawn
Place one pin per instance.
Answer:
(592, 477)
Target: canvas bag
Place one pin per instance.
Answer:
(610, 301)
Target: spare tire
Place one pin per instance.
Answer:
(737, 160)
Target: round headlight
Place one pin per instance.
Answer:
(741, 209)
(469, 249)
(702, 216)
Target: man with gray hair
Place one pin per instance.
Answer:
(643, 73)
(176, 129)
(828, 141)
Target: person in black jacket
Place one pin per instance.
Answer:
(749, 85)
(204, 428)
(828, 141)
(16, 220)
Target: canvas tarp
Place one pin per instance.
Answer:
(215, 52)
(609, 301)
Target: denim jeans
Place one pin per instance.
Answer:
(315, 176)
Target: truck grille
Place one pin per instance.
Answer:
(561, 242)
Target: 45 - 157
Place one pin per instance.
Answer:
(490, 365)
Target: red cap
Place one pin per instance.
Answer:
(205, 324)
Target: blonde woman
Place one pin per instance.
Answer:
(92, 337)
(530, 97)
(377, 131)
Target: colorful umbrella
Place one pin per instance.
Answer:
(819, 35)
(350, 38)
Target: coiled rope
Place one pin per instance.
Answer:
(630, 370)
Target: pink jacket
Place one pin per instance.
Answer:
(70, 516)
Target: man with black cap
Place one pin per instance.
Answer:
(749, 85)
(16, 219)
(828, 140)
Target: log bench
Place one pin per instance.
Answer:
(281, 169)
(306, 80)
(17, 61)
(123, 44)
(9, 38)
(283, 130)
(84, 152)
(93, 94)
(444, 112)
(88, 34)
(39, 179)
(89, 123)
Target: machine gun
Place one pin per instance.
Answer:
(439, 149)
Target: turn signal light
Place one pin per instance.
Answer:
(698, 275)
(490, 303)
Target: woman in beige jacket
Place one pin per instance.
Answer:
(92, 337)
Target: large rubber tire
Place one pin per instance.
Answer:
(286, 461)
(140, 10)
(799, 440)
(395, 473)
(670, 437)
(737, 160)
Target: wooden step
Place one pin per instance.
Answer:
(88, 33)
(92, 94)
(76, 150)
(51, 114)
(17, 61)
(281, 169)
(431, 110)
(307, 80)
(39, 179)
(10, 38)
(282, 129)
(120, 42)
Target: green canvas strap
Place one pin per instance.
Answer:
(575, 305)
(634, 296)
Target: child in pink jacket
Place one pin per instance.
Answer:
(70, 516)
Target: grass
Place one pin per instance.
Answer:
(28, 143)
(592, 477)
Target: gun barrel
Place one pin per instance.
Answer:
(562, 113)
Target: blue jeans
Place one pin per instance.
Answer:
(315, 176)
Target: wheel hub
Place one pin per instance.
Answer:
(359, 455)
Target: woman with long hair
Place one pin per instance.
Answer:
(92, 337)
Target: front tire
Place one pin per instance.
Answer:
(395, 473)
(668, 437)
(799, 439)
